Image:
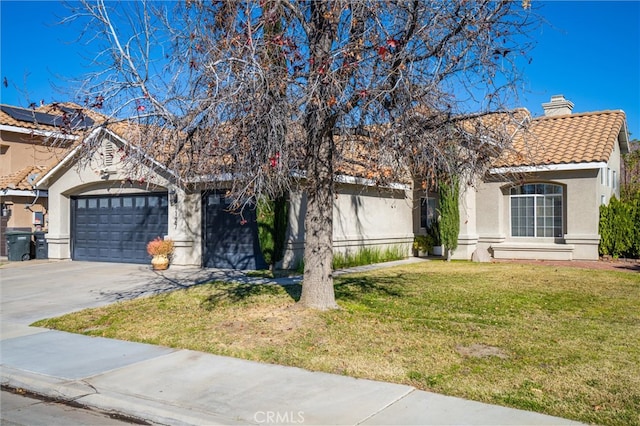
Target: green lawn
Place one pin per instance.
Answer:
(561, 341)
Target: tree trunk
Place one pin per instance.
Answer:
(317, 286)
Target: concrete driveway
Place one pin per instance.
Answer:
(35, 290)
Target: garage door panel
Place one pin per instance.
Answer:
(230, 240)
(117, 228)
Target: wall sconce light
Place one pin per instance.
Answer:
(173, 197)
(6, 210)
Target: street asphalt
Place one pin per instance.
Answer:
(182, 387)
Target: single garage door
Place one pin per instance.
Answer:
(230, 240)
(117, 228)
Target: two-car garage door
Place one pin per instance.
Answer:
(108, 228)
(117, 228)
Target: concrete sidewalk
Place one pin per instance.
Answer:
(176, 387)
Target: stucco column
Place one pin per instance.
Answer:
(185, 227)
(58, 234)
(468, 236)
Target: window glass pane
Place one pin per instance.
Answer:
(213, 200)
(81, 203)
(427, 211)
(431, 204)
(153, 201)
(92, 203)
(522, 216)
(104, 203)
(127, 202)
(139, 201)
(538, 213)
(116, 202)
(557, 216)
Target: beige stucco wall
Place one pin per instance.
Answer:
(468, 236)
(362, 217)
(22, 211)
(20, 150)
(185, 228)
(580, 209)
(607, 186)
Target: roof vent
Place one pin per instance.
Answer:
(32, 177)
(558, 106)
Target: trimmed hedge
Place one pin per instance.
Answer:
(620, 228)
(449, 214)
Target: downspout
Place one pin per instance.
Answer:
(28, 206)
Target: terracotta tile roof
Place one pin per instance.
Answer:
(566, 139)
(22, 179)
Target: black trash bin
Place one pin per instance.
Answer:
(18, 245)
(42, 249)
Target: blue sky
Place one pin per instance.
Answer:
(588, 51)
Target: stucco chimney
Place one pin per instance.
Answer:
(558, 106)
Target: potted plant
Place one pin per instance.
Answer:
(160, 251)
(434, 232)
(422, 244)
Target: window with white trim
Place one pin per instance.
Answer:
(536, 210)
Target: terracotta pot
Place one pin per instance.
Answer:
(160, 262)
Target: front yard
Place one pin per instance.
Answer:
(557, 340)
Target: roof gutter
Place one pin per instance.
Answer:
(23, 193)
(36, 132)
(548, 168)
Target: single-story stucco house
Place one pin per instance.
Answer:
(99, 211)
(540, 201)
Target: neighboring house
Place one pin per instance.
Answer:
(103, 211)
(25, 155)
(541, 200)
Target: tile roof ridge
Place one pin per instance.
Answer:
(579, 114)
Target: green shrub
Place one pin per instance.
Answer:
(423, 243)
(272, 228)
(449, 215)
(367, 256)
(618, 228)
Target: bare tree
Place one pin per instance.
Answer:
(284, 94)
